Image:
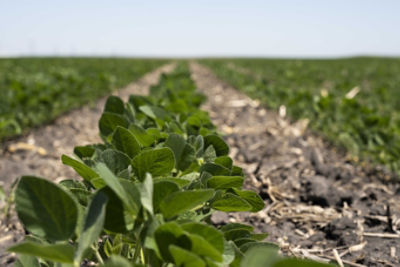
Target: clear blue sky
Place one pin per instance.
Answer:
(318, 28)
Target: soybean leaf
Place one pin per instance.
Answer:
(209, 233)
(166, 235)
(297, 263)
(250, 245)
(78, 189)
(252, 198)
(157, 162)
(46, 209)
(202, 247)
(185, 258)
(146, 193)
(230, 203)
(225, 161)
(126, 142)
(144, 138)
(122, 191)
(209, 154)
(117, 219)
(114, 104)
(116, 161)
(225, 182)
(138, 100)
(182, 201)
(84, 151)
(63, 253)
(154, 112)
(235, 226)
(261, 257)
(214, 169)
(221, 148)
(93, 224)
(109, 121)
(235, 234)
(183, 152)
(27, 261)
(229, 253)
(83, 170)
(163, 188)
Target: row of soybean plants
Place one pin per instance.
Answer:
(146, 194)
(36, 90)
(354, 102)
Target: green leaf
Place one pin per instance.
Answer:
(157, 162)
(245, 247)
(109, 121)
(235, 234)
(116, 161)
(214, 169)
(84, 151)
(46, 209)
(117, 261)
(252, 198)
(154, 112)
(146, 193)
(93, 225)
(225, 182)
(141, 135)
(83, 170)
(183, 152)
(202, 247)
(126, 142)
(225, 161)
(221, 148)
(118, 219)
(78, 189)
(63, 253)
(231, 203)
(122, 191)
(138, 100)
(162, 189)
(235, 226)
(295, 262)
(114, 104)
(229, 253)
(209, 233)
(165, 235)
(185, 258)
(182, 201)
(261, 257)
(27, 261)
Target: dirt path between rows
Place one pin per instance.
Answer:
(40, 151)
(318, 204)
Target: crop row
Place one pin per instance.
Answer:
(146, 194)
(36, 90)
(354, 103)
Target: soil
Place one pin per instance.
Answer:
(319, 204)
(40, 151)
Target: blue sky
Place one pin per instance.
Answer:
(278, 28)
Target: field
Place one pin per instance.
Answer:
(354, 103)
(214, 162)
(37, 90)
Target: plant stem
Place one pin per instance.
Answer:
(137, 250)
(98, 256)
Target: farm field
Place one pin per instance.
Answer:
(354, 102)
(36, 90)
(182, 167)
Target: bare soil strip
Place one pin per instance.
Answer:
(40, 151)
(318, 204)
